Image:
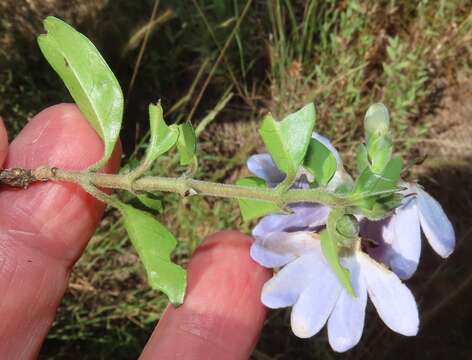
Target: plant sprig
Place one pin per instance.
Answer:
(289, 141)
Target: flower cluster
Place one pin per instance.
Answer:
(389, 252)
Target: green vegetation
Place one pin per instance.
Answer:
(223, 65)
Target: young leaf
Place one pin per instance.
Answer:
(187, 143)
(150, 202)
(251, 209)
(154, 244)
(287, 140)
(88, 79)
(320, 162)
(163, 137)
(329, 248)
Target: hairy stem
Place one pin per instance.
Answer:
(186, 187)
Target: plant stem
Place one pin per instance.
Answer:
(186, 187)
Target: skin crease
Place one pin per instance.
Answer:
(44, 229)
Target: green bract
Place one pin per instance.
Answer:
(377, 135)
(287, 140)
(330, 252)
(362, 159)
(252, 209)
(154, 244)
(320, 162)
(187, 143)
(162, 139)
(370, 182)
(88, 79)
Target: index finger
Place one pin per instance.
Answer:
(222, 315)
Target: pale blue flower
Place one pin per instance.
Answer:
(307, 283)
(398, 238)
(305, 280)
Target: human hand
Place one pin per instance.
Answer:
(44, 229)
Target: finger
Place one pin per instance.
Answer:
(43, 229)
(222, 315)
(3, 142)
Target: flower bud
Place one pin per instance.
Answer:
(348, 227)
(376, 120)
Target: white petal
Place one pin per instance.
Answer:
(310, 312)
(346, 323)
(264, 167)
(279, 248)
(394, 302)
(305, 216)
(435, 224)
(325, 141)
(284, 288)
(406, 244)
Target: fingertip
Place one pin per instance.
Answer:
(58, 136)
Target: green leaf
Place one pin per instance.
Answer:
(287, 140)
(150, 202)
(187, 143)
(88, 79)
(251, 209)
(369, 182)
(154, 244)
(329, 248)
(320, 162)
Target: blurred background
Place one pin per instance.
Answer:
(222, 64)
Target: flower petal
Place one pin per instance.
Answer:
(305, 216)
(264, 167)
(394, 302)
(279, 248)
(435, 224)
(284, 288)
(406, 244)
(346, 323)
(397, 238)
(310, 312)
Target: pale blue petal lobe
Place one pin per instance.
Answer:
(397, 239)
(394, 302)
(279, 248)
(346, 323)
(305, 216)
(313, 307)
(406, 245)
(284, 288)
(264, 167)
(435, 224)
